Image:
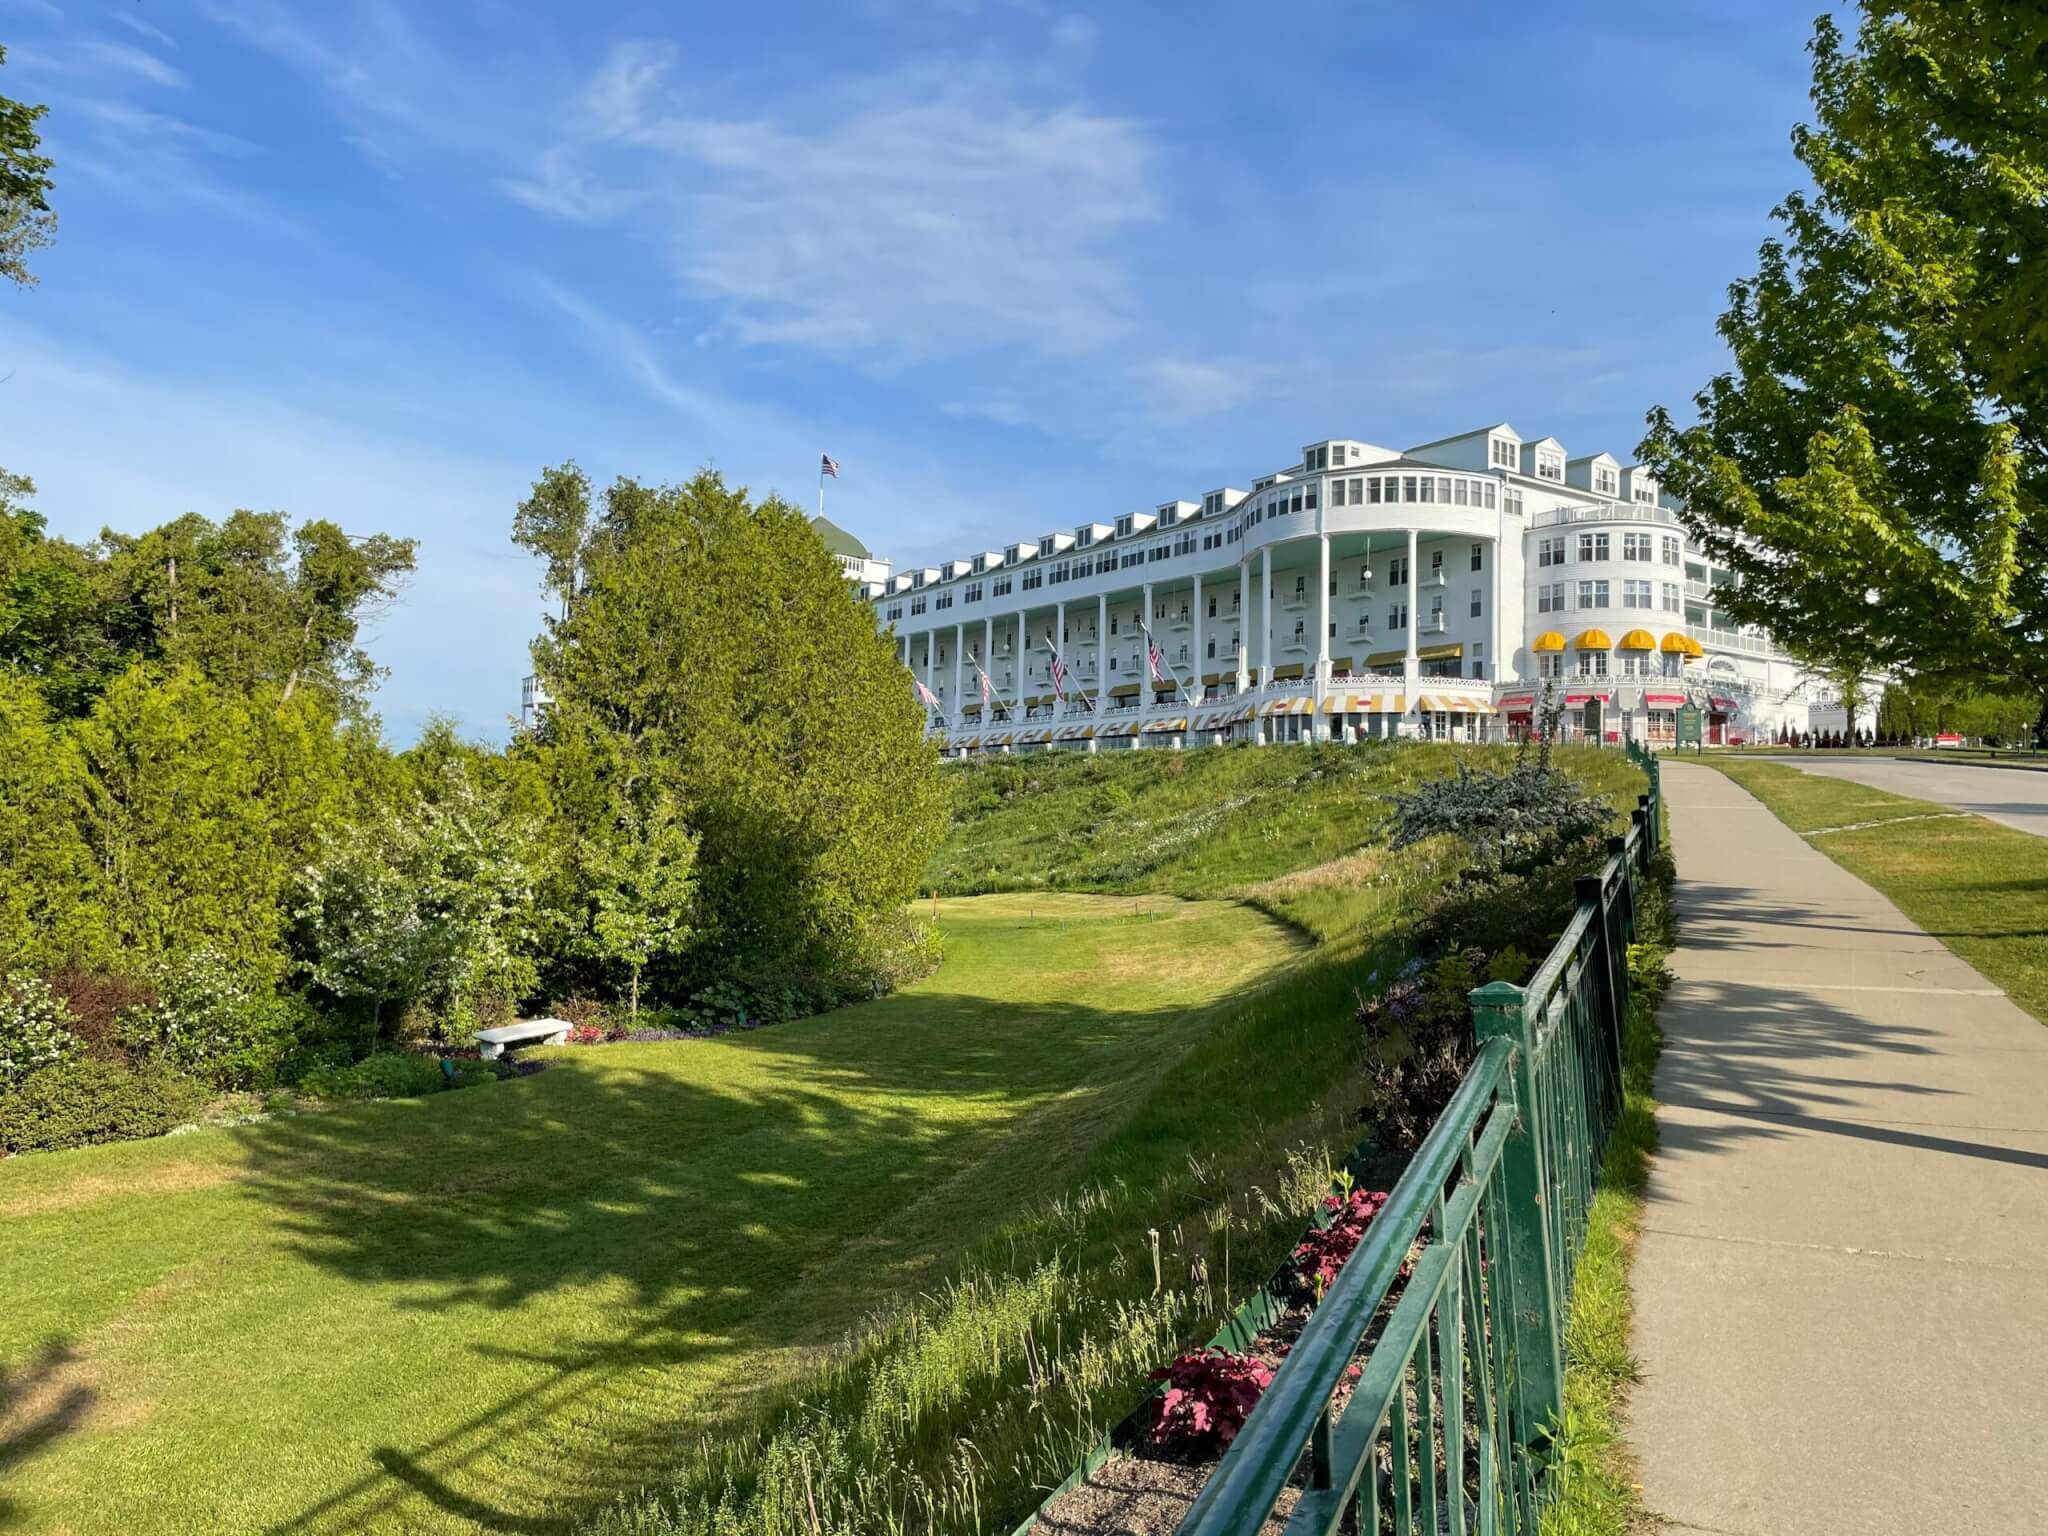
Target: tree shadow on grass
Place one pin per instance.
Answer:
(40, 1402)
(742, 1199)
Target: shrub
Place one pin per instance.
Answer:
(206, 1021)
(389, 1075)
(97, 999)
(85, 1100)
(1418, 1040)
(35, 1028)
(1526, 909)
(1319, 1255)
(583, 1013)
(1209, 1394)
(1514, 820)
(394, 1074)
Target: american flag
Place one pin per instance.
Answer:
(1153, 658)
(929, 699)
(984, 685)
(827, 465)
(1059, 669)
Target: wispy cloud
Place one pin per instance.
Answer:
(120, 58)
(911, 217)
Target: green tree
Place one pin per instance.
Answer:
(1872, 466)
(646, 878)
(201, 805)
(50, 912)
(428, 898)
(26, 222)
(715, 644)
(553, 523)
(53, 627)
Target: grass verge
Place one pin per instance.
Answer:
(1979, 887)
(1598, 1495)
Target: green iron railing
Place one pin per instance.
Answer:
(1452, 1310)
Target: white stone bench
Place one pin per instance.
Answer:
(492, 1042)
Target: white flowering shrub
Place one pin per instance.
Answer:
(208, 1021)
(35, 1028)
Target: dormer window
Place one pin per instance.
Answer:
(980, 564)
(1123, 527)
(1549, 466)
(1606, 482)
(1083, 537)
(1503, 453)
(1337, 455)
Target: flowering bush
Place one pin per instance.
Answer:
(587, 1034)
(1209, 1394)
(206, 1020)
(35, 1028)
(1319, 1255)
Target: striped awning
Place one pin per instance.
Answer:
(1167, 725)
(1452, 704)
(1119, 728)
(1300, 705)
(968, 743)
(1384, 702)
(1033, 733)
(996, 739)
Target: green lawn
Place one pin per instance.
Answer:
(493, 1308)
(1979, 887)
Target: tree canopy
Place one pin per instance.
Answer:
(247, 602)
(1872, 465)
(26, 222)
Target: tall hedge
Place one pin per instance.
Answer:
(715, 643)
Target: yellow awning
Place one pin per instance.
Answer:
(968, 743)
(1296, 706)
(1168, 725)
(1593, 640)
(1548, 642)
(1693, 648)
(1637, 640)
(1675, 644)
(1452, 704)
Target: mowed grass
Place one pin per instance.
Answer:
(1979, 887)
(492, 1309)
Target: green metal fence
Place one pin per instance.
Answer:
(1447, 1324)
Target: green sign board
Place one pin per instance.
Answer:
(1688, 725)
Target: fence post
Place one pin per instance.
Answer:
(1536, 1338)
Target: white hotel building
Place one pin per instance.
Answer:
(1361, 592)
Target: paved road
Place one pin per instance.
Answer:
(1842, 1280)
(2014, 796)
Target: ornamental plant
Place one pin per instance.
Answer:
(1324, 1251)
(207, 1021)
(1209, 1394)
(35, 1028)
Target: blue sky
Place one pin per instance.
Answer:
(1012, 264)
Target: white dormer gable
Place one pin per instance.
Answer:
(1640, 486)
(1599, 473)
(1544, 459)
(1496, 447)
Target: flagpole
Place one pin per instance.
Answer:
(1151, 646)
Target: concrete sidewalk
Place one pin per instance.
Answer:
(1842, 1281)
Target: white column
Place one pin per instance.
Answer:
(1145, 616)
(1018, 712)
(1266, 615)
(1059, 629)
(955, 701)
(931, 662)
(1322, 682)
(988, 654)
(1196, 648)
(1244, 621)
(1101, 652)
(1411, 668)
